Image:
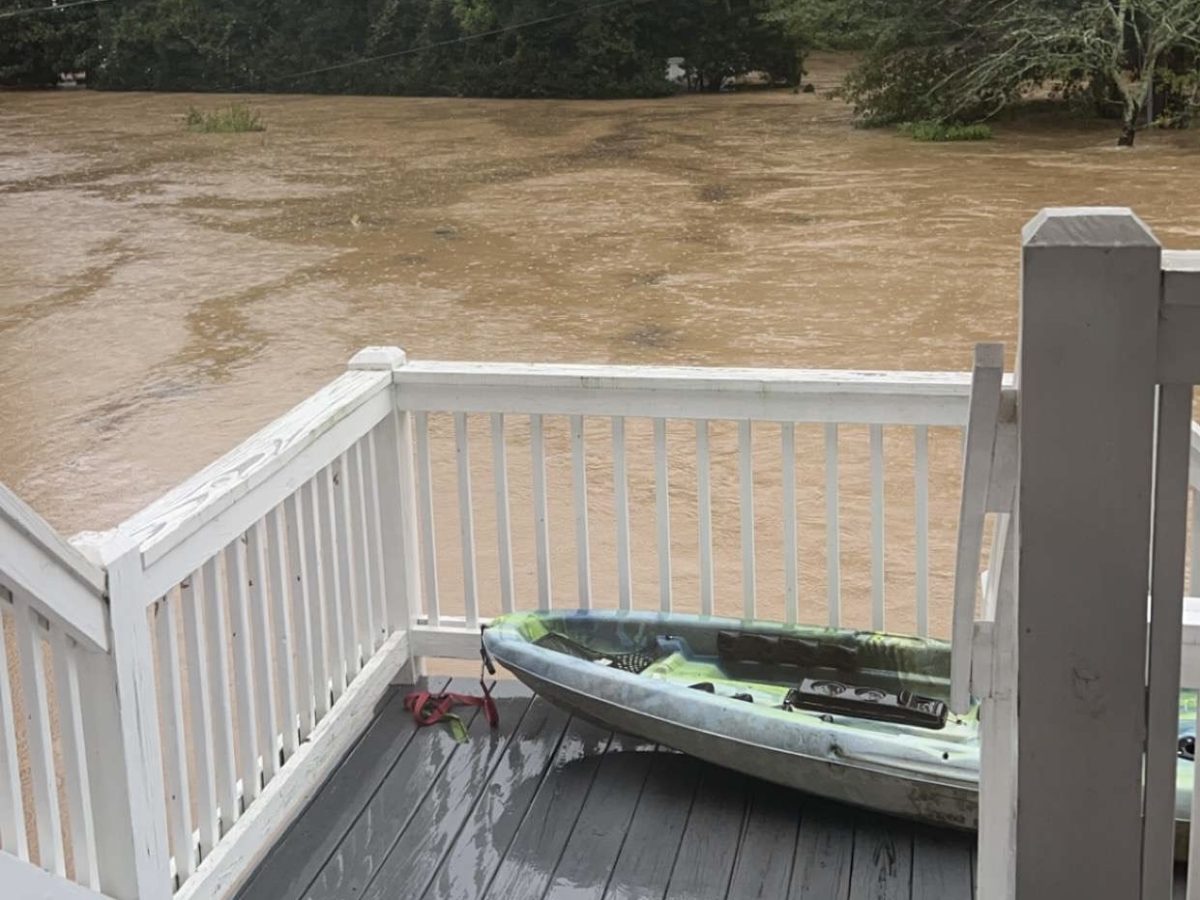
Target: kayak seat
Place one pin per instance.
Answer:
(769, 649)
(868, 702)
(634, 662)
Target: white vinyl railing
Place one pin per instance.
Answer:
(255, 613)
(1079, 658)
(56, 706)
(271, 605)
(754, 493)
(1194, 515)
(232, 639)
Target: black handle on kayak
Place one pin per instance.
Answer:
(483, 654)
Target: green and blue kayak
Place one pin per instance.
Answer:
(855, 716)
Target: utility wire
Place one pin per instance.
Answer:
(12, 14)
(586, 8)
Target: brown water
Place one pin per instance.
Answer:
(163, 294)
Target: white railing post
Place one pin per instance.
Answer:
(124, 708)
(998, 727)
(397, 508)
(1089, 317)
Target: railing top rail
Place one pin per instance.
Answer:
(695, 377)
(1181, 260)
(51, 573)
(296, 440)
(813, 395)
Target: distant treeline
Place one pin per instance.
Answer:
(936, 62)
(490, 48)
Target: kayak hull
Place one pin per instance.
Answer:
(924, 774)
(944, 804)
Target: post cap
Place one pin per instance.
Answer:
(1087, 226)
(381, 359)
(989, 356)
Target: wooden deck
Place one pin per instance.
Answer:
(553, 807)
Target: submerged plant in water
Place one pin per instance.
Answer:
(940, 131)
(235, 118)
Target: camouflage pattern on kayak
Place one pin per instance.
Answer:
(854, 716)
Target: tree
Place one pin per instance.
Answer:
(966, 60)
(1131, 40)
(1118, 44)
(719, 39)
(510, 48)
(36, 47)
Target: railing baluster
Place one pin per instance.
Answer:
(76, 778)
(399, 552)
(281, 585)
(309, 523)
(216, 639)
(364, 598)
(174, 746)
(51, 853)
(466, 518)
(621, 512)
(377, 553)
(425, 495)
(264, 672)
(790, 576)
(541, 523)
(704, 515)
(13, 838)
(192, 599)
(1194, 581)
(333, 625)
(746, 484)
(662, 503)
(921, 514)
(503, 526)
(243, 670)
(341, 482)
(583, 553)
(877, 612)
(833, 558)
(1167, 561)
(1193, 857)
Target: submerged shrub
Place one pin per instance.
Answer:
(233, 119)
(940, 131)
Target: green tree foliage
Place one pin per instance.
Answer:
(518, 48)
(965, 60)
(720, 39)
(36, 47)
(510, 48)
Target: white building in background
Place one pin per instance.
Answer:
(676, 73)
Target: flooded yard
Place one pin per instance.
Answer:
(163, 294)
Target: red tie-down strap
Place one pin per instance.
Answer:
(429, 709)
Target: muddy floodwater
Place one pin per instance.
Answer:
(163, 294)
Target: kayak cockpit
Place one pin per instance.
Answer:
(832, 676)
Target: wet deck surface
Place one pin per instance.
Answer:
(552, 807)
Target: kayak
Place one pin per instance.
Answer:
(855, 716)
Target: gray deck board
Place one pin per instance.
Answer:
(710, 840)
(414, 858)
(941, 864)
(555, 808)
(300, 856)
(763, 868)
(487, 834)
(595, 843)
(533, 855)
(824, 853)
(379, 826)
(647, 859)
(882, 868)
